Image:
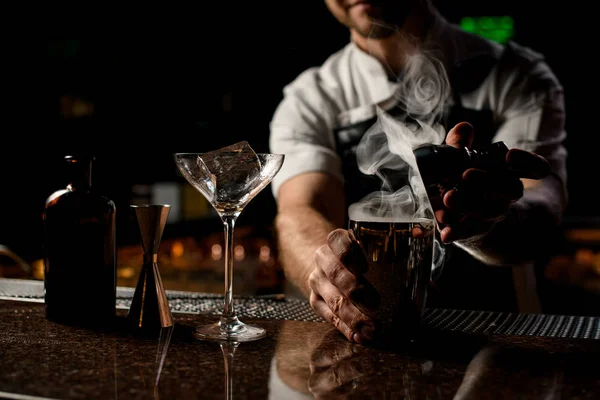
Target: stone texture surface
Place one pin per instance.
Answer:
(297, 360)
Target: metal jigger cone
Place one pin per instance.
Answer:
(149, 308)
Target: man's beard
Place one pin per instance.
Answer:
(396, 14)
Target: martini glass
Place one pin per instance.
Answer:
(229, 178)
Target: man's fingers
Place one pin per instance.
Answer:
(344, 246)
(461, 135)
(329, 357)
(483, 192)
(443, 216)
(527, 164)
(335, 380)
(495, 184)
(354, 287)
(340, 243)
(329, 303)
(524, 163)
(322, 310)
(338, 274)
(467, 227)
(333, 355)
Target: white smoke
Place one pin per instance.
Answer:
(388, 145)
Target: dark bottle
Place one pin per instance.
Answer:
(80, 250)
(441, 166)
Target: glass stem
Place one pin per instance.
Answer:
(228, 349)
(229, 224)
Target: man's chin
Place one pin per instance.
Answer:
(376, 31)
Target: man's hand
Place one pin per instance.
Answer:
(336, 368)
(338, 292)
(483, 197)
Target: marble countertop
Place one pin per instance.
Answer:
(297, 360)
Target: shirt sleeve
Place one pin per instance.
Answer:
(302, 130)
(533, 115)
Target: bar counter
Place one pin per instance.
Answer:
(299, 359)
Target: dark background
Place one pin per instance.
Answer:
(196, 80)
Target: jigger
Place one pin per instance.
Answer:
(149, 308)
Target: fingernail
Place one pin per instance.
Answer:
(351, 235)
(367, 331)
(445, 233)
(465, 128)
(528, 165)
(357, 338)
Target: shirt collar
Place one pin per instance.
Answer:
(379, 86)
(455, 46)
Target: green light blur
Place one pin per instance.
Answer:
(497, 28)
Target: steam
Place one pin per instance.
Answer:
(386, 149)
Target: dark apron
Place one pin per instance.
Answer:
(463, 283)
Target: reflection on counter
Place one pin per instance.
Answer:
(150, 371)
(297, 360)
(228, 349)
(321, 364)
(485, 369)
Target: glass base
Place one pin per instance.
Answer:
(230, 330)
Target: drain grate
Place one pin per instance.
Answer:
(281, 308)
(501, 323)
(265, 307)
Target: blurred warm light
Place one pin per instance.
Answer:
(265, 253)
(177, 249)
(585, 256)
(581, 269)
(189, 263)
(37, 269)
(590, 258)
(239, 252)
(583, 235)
(125, 272)
(73, 107)
(216, 252)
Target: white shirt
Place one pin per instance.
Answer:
(517, 88)
(521, 91)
